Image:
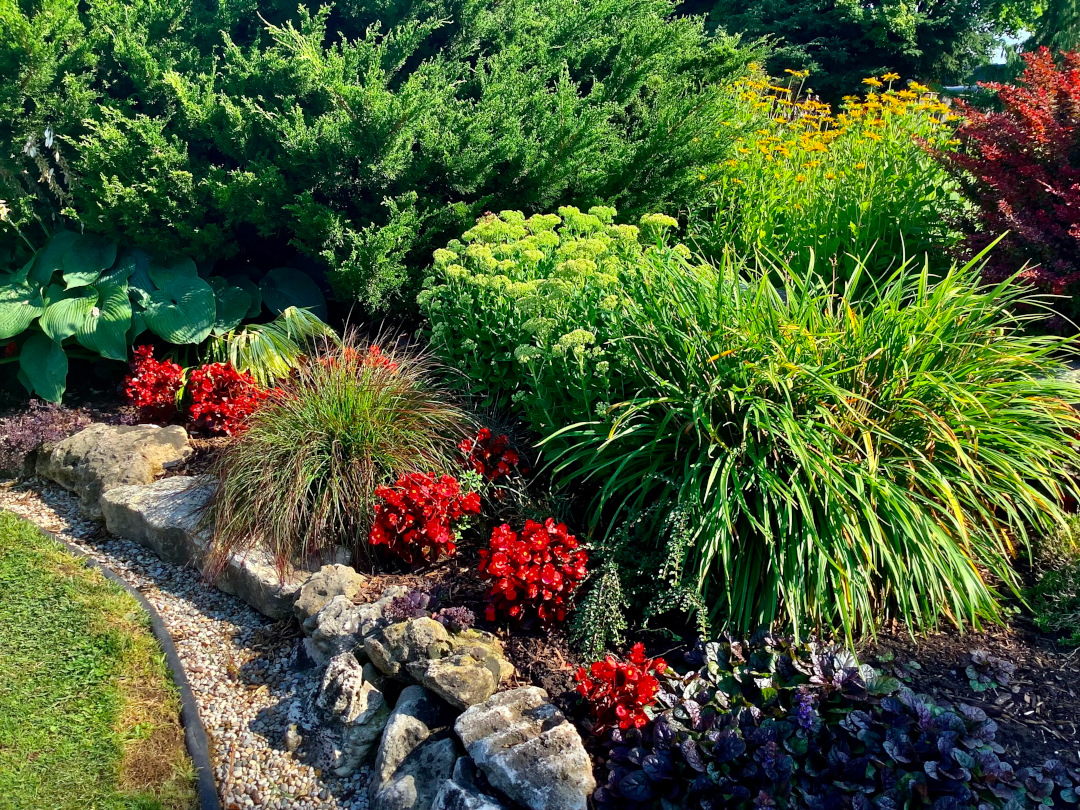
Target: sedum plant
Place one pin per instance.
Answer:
(841, 461)
(79, 296)
(303, 476)
(527, 308)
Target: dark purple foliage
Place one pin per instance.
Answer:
(767, 723)
(23, 433)
(414, 604)
(456, 619)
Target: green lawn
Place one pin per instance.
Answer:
(89, 717)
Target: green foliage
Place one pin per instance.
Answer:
(856, 181)
(301, 478)
(270, 351)
(89, 716)
(366, 134)
(843, 41)
(1055, 599)
(528, 309)
(841, 461)
(78, 297)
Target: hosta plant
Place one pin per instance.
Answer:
(79, 297)
(841, 459)
(302, 477)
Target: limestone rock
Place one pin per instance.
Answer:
(328, 582)
(252, 576)
(469, 674)
(416, 756)
(394, 647)
(341, 626)
(164, 516)
(528, 750)
(351, 712)
(462, 791)
(102, 457)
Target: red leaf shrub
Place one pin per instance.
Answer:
(490, 456)
(222, 398)
(414, 520)
(1021, 166)
(618, 691)
(153, 385)
(535, 573)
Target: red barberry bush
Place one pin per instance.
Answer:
(490, 456)
(154, 386)
(618, 692)
(534, 574)
(1021, 166)
(222, 398)
(415, 519)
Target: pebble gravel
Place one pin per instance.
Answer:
(244, 668)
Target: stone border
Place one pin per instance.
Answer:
(194, 734)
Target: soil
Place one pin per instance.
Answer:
(1038, 712)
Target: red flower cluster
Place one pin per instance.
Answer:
(537, 572)
(373, 358)
(619, 691)
(376, 359)
(489, 455)
(153, 385)
(1022, 167)
(222, 398)
(414, 520)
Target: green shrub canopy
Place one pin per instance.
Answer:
(359, 135)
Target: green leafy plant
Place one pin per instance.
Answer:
(1055, 597)
(842, 461)
(527, 309)
(79, 296)
(301, 478)
(361, 135)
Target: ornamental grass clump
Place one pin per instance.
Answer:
(841, 460)
(303, 475)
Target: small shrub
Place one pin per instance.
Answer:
(527, 309)
(456, 619)
(535, 574)
(302, 476)
(1055, 598)
(1020, 165)
(840, 460)
(413, 604)
(415, 521)
(618, 692)
(814, 182)
(222, 399)
(23, 433)
(768, 723)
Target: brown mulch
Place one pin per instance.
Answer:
(1038, 712)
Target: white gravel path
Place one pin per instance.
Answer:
(241, 665)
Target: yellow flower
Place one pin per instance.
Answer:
(860, 165)
(830, 175)
(701, 177)
(4, 211)
(891, 77)
(800, 178)
(801, 74)
(918, 88)
(872, 82)
(872, 135)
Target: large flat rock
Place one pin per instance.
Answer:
(103, 457)
(165, 516)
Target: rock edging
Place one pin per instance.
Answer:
(195, 739)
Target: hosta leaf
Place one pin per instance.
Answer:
(138, 325)
(50, 260)
(232, 305)
(285, 287)
(182, 311)
(85, 260)
(45, 367)
(20, 303)
(251, 288)
(66, 313)
(139, 282)
(105, 329)
(163, 274)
